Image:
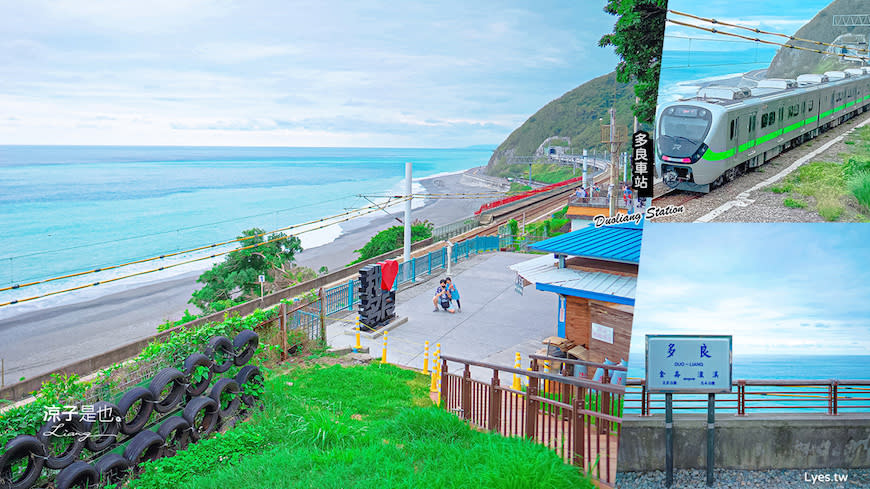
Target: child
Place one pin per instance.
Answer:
(454, 293)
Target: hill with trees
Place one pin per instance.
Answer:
(575, 115)
(789, 63)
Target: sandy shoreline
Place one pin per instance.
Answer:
(36, 342)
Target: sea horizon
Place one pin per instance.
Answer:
(76, 208)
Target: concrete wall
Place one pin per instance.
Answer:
(761, 441)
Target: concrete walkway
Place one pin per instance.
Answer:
(494, 324)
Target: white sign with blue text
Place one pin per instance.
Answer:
(683, 363)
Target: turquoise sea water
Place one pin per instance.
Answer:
(70, 208)
(682, 69)
(778, 367)
(784, 366)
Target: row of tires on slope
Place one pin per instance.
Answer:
(25, 456)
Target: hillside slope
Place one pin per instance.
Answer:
(574, 115)
(789, 63)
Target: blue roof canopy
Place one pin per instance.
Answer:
(619, 243)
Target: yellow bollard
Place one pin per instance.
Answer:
(546, 371)
(426, 358)
(384, 352)
(517, 385)
(358, 346)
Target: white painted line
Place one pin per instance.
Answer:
(743, 200)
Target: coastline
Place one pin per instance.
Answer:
(118, 317)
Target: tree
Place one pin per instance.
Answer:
(392, 239)
(637, 38)
(237, 276)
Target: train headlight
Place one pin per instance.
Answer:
(699, 153)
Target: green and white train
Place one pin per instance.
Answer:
(721, 133)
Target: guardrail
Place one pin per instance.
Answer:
(598, 201)
(337, 298)
(831, 396)
(456, 228)
(572, 416)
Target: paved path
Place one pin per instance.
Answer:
(494, 324)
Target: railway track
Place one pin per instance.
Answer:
(671, 196)
(533, 211)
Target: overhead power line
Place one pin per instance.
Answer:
(199, 248)
(759, 31)
(144, 272)
(764, 41)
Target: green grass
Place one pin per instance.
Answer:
(518, 188)
(859, 186)
(832, 184)
(358, 427)
(794, 203)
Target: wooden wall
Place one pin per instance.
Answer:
(581, 313)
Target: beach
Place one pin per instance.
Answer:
(37, 341)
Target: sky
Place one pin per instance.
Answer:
(782, 16)
(778, 288)
(289, 73)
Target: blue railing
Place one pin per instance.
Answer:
(344, 297)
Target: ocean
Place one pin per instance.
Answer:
(783, 366)
(775, 367)
(66, 209)
(683, 70)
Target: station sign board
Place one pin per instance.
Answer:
(688, 363)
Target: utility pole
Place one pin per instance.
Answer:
(585, 182)
(406, 256)
(610, 135)
(614, 163)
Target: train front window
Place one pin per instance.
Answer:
(682, 130)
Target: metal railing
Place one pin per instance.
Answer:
(520, 243)
(831, 396)
(447, 231)
(344, 297)
(577, 418)
(598, 201)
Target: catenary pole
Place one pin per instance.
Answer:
(406, 256)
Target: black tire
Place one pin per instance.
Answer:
(226, 386)
(21, 447)
(107, 430)
(79, 474)
(160, 381)
(145, 446)
(113, 468)
(190, 364)
(248, 373)
(60, 426)
(245, 345)
(223, 346)
(176, 435)
(209, 408)
(143, 412)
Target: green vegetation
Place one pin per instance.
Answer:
(574, 115)
(548, 173)
(63, 390)
(637, 38)
(839, 191)
(517, 188)
(550, 227)
(392, 239)
(320, 428)
(794, 204)
(236, 278)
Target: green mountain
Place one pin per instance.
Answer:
(572, 117)
(789, 63)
